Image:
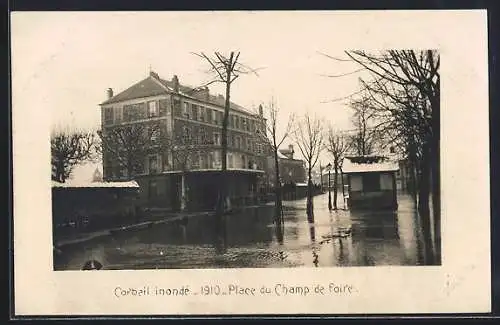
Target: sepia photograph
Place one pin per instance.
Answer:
(237, 140)
(181, 176)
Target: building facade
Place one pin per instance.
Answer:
(292, 170)
(168, 137)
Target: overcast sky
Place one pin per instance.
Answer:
(63, 62)
(71, 58)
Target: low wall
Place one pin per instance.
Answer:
(88, 209)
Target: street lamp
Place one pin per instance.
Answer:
(329, 166)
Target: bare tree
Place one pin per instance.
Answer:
(225, 69)
(337, 145)
(186, 152)
(276, 136)
(68, 149)
(129, 144)
(406, 83)
(309, 138)
(365, 139)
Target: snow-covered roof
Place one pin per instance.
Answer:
(383, 165)
(73, 184)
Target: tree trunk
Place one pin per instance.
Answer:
(183, 192)
(309, 204)
(423, 203)
(335, 185)
(279, 200)
(436, 181)
(342, 184)
(222, 197)
(60, 177)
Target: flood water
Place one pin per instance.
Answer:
(253, 240)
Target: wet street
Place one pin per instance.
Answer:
(253, 240)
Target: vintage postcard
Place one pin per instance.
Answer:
(218, 163)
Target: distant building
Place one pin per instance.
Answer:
(192, 119)
(292, 170)
(371, 182)
(324, 179)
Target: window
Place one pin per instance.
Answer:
(233, 141)
(177, 107)
(185, 134)
(243, 161)
(230, 160)
(220, 117)
(117, 112)
(238, 142)
(195, 159)
(185, 110)
(162, 107)
(215, 117)
(209, 115)
(210, 161)
(233, 121)
(237, 122)
(217, 159)
(108, 115)
(371, 182)
(217, 139)
(153, 164)
(249, 145)
(165, 161)
(203, 161)
(202, 113)
(202, 136)
(195, 112)
(152, 109)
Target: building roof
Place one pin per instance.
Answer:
(153, 85)
(73, 184)
(144, 88)
(281, 155)
(367, 164)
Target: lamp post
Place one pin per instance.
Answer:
(329, 166)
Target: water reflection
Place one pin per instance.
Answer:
(252, 238)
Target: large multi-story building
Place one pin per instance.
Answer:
(168, 138)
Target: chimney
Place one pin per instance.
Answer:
(207, 93)
(261, 111)
(175, 81)
(290, 148)
(109, 91)
(202, 93)
(154, 75)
